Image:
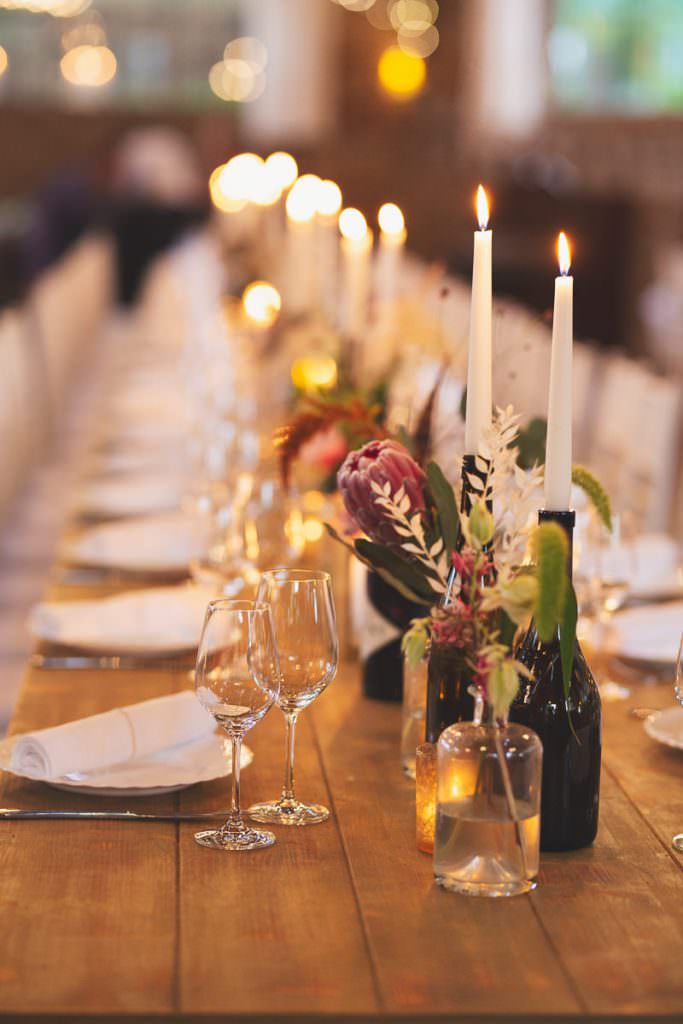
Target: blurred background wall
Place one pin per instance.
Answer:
(571, 111)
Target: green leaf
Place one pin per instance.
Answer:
(568, 637)
(550, 550)
(444, 499)
(595, 492)
(507, 628)
(530, 443)
(398, 573)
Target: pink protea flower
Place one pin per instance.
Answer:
(379, 462)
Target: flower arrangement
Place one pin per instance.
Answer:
(480, 566)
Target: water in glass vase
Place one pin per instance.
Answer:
(477, 851)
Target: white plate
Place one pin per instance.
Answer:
(171, 769)
(666, 726)
(162, 620)
(130, 495)
(151, 544)
(649, 634)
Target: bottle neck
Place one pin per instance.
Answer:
(566, 520)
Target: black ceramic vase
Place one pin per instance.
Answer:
(388, 615)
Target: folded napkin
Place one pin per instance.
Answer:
(115, 737)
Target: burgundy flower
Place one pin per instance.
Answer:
(379, 462)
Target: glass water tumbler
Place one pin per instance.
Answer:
(413, 714)
(488, 809)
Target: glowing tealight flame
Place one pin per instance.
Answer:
(353, 224)
(302, 201)
(329, 198)
(283, 169)
(390, 219)
(310, 373)
(261, 302)
(482, 208)
(563, 253)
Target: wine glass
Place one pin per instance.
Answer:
(237, 679)
(306, 634)
(678, 691)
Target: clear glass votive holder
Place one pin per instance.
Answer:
(488, 809)
(413, 712)
(425, 796)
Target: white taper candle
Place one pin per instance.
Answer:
(558, 451)
(479, 396)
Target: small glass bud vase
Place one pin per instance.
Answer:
(488, 809)
(413, 712)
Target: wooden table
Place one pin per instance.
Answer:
(110, 921)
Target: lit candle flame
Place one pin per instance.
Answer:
(329, 198)
(482, 208)
(391, 219)
(353, 224)
(261, 302)
(563, 253)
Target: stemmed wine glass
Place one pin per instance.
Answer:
(678, 691)
(306, 634)
(237, 679)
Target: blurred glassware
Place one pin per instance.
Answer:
(306, 633)
(413, 712)
(236, 680)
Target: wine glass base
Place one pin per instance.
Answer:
(224, 839)
(288, 812)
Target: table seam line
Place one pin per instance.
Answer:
(666, 846)
(564, 970)
(356, 897)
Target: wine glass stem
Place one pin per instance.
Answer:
(235, 811)
(288, 788)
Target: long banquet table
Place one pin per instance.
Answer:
(133, 921)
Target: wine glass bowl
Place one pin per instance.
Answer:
(237, 679)
(306, 634)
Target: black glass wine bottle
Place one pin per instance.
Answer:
(387, 616)
(571, 749)
(448, 677)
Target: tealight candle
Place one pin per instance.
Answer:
(425, 796)
(558, 452)
(479, 397)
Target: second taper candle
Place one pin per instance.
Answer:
(558, 449)
(479, 369)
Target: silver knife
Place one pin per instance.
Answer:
(16, 814)
(109, 661)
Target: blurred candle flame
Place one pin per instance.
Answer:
(261, 302)
(353, 224)
(482, 208)
(563, 253)
(391, 219)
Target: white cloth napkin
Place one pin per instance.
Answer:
(115, 737)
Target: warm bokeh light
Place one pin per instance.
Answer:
(313, 530)
(563, 253)
(353, 224)
(313, 373)
(482, 208)
(302, 201)
(57, 8)
(248, 49)
(4, 60)
(402, 75)
(283, 168)
(266, 188)
(262, 303)
(88, 66)
(422, 45)
(219, 199)
(236, 80)
(237, 177)
(413, 17)
(391, 219)
(329, 198)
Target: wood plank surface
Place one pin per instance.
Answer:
(338, 920)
